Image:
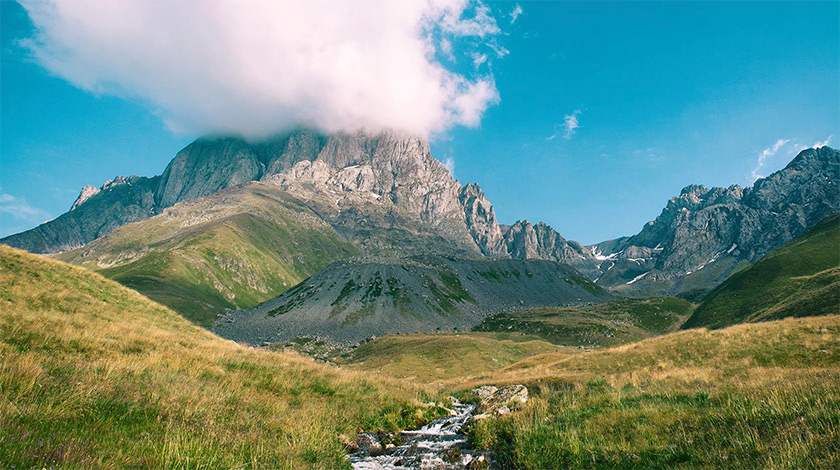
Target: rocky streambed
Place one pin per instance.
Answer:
(441, 444)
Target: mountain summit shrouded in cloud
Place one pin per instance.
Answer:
(253, 67)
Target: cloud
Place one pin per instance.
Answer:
(823, 143)
(570, 124)
(254, 67)
(765, 154)
(568, 128)
(449, 164)
(20, 210)
(517, 10)
(819, 144)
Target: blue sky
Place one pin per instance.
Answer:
(663, 95)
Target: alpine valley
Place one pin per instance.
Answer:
(710, 337)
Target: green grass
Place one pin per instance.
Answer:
(93, 375)
(606, 324)
(229, 250)
(442, 356)
(751, 396)
(801, 278)
(446, 293)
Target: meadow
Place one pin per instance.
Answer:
(93, 375)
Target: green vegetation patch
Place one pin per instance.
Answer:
(605, 324)
(801, 278)
(295, 297)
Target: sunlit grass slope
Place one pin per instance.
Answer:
(93, 375)
(233, 249)
(760, 396)
(607, 324)
(443, 356)
(801, 278)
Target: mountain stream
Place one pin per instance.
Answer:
(437, 445)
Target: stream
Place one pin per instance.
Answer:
(437, 445)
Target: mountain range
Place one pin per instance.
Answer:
(231, 223)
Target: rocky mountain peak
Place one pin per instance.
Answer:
(713, 230)
(87, 192)
(481, 220)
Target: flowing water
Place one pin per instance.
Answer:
(438, 445)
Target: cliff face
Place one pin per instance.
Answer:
(712, 231)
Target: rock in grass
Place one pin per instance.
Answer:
(500, 400)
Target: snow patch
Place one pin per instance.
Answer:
(638, 277)
(596, 252)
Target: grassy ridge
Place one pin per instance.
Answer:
(750, 396)
(607, 324)
(443, 356)
(233, 249)
(93, 375)
(801, 278)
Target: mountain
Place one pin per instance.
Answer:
(352, 300)
(96, 376)
(96, 212)
(802, 278)
(703, 235)
(524, 240)
(232, 249)
(384, 194)
(359, 169)
(214, 239)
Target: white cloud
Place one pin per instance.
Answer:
(570, 124)
(568, 128)
(449, 164)
(18, 208)
(765, 154)
(823, 143)
(517, 10)
(478, 59)
(255, 66)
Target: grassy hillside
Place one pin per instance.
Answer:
(760, 395)
(93, 375)
(606, 324)
(443, 356)
(750, 396)
(801, 278)
(233, 249)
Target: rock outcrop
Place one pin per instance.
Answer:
(526, 241)
(500, 400)
(481, 221)
(86, 193)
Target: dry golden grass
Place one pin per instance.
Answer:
(93, 375)
(750, 396)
